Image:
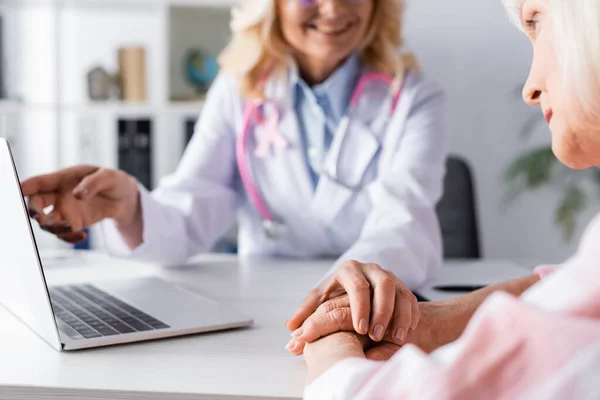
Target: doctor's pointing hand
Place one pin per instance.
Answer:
(319, 137)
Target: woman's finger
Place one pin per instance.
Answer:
(308, 306)
(402, 315)
(382, 352)
(384, 299)
(295, 347)
(351, 276)
(335, 317)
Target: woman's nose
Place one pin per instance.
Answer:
(330, 7)
(531, 95)
(532, 91)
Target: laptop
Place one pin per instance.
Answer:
(92, 314)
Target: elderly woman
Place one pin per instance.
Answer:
(545, 344)
(318, 136)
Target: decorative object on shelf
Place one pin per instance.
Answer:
(539, 167)
(99, 84)
(200, 70)
(132, 74)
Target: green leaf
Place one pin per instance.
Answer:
(531, 170)
(573, 203)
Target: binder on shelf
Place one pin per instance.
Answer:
(135, 149)
(190, 125)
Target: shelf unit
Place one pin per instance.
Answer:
(55, 125)
(62, 13)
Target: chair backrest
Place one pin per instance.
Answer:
(457, 212)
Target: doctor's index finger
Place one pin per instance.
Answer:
(352, 277)
(53, 181)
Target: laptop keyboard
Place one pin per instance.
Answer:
(94, 313)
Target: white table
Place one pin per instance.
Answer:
(241, 364)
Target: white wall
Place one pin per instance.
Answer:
(470, 48)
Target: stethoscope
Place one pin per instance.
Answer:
(275, 228)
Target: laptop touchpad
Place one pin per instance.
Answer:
(178, 307)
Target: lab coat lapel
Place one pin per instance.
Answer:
(352, 153)
(286, 168)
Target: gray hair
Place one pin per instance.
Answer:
(576, 26)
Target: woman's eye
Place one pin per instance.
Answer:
(532, 24)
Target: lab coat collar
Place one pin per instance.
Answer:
(277, 91)
(357, 152)
(337, 88)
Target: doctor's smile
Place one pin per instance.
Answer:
(331, 28)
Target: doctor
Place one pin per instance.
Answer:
(318, 135)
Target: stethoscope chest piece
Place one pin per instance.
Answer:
(274, 229)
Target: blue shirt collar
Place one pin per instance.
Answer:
(338, 88)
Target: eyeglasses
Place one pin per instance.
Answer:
(314, 3)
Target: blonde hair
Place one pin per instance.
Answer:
(258, 47)
(576, 26)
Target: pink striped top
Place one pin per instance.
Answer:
(544, 345)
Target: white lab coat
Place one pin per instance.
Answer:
(390, 221)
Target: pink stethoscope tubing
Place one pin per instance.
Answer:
(252, 110)
(242, 143)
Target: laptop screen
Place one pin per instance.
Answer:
(23, 289)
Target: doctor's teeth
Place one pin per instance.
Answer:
(332, 28)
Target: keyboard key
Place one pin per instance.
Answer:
(139, 326)
(122, 328)
(78, 326)
(106, 331)
(160, 325)
(89, 333)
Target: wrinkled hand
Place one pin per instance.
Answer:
(327, 351)
(80, 197)
(393, 308)
(435, 328)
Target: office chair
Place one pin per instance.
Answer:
(457, 212)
